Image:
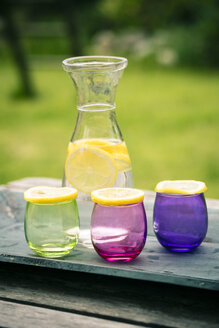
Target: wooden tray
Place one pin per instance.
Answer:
(199, 268)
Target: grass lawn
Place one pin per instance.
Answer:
(169, 120)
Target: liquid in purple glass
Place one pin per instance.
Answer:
(180, 221)
(118, 232)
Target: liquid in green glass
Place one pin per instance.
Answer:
(52, 229)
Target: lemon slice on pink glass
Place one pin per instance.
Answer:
(117, 196)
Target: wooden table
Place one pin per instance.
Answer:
(158, 289)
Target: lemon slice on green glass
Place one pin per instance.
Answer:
(44, 194)
(189, 187)
(117, 196)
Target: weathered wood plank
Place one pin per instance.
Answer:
(198, 269)
(25, 183)
(154, 264)
(14, 315)
(131, 301)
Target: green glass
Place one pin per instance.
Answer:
(52, 229)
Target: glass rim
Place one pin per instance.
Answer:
(51, 203)
(119, 205)
(97, 63)
(177, 195)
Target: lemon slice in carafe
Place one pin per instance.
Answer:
(116, 149)
(88, 168)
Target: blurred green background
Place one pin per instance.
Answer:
(167, 99)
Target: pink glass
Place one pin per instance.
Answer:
(118, 232)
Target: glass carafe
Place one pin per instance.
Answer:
(97, 156)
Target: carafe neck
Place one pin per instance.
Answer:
(96, 91)
(96, 124)
(95, 79)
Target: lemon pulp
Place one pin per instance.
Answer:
(95, 163)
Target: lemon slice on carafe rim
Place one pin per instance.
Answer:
(44, 194)
(117, 196)
(188, 187)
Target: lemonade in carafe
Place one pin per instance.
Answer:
(97, 156)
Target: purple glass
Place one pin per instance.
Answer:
(180, 221)
(118, 232)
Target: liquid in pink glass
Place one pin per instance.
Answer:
(118, 232)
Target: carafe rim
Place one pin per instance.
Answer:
(90, 63)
